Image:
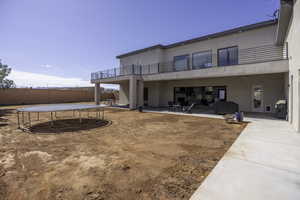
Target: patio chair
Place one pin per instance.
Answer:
(188, 109)
(171, 106)
(226, 107)
(229, 118)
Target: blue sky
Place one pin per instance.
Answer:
(60, 42)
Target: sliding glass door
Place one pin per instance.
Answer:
(204, 95)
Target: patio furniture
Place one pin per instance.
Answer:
(189, 108)
(170, 105)
(281, 109)
(229, 118)
(226, 107)
(177, 108)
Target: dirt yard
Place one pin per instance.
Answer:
(130, 156)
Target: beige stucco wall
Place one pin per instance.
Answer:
(143, 58)
(124, 93)
(246, 39)
(160, 92)
(293, 39)
(154, 92)
(239, 89)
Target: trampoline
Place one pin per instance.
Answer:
(54, 108)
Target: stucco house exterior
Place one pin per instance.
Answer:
(254, 66)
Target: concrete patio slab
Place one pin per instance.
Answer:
(234, 179)
(263, 163)
(285, 157)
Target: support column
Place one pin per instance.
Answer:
(140, 93)
(97, 93)
(132, 92)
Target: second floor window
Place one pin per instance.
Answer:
(202, 59)
(228, 56)
(181, 62)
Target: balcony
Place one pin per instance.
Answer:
(260, 54)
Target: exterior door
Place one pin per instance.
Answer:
(257, 98)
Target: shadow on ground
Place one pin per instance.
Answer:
(68, 125)
(3, 114)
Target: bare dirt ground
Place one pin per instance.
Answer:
(131, 156)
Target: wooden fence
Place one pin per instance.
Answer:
(19, 96)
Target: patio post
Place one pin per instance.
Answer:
(97, 93)
(140, 93)
(132, 92)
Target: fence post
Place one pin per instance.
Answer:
(158, 68)
(115, 72)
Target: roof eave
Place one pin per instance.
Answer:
(140, 50)
(285, 13)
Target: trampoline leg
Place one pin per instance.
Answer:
(29, 120)
(51, 118)
(18, 120)
(23, 119)
(73, 113)
(80, 120)
(103, 114)
(38, 116)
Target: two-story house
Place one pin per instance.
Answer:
(248, 65)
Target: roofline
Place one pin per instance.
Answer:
(140, 50)
(206, 37)
(285, 13)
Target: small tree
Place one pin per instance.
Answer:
(4, 72)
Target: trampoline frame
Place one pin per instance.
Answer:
(23, 124)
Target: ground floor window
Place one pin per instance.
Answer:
(204, 95)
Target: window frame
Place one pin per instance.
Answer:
(237, 47)
(187, 65)
(200, 67)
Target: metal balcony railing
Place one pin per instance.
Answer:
(266, 53)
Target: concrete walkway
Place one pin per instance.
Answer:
(263, 164)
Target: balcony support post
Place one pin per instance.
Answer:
(97, 93)
(140, 92)
(132, 92)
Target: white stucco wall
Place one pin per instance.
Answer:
(293, 39)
